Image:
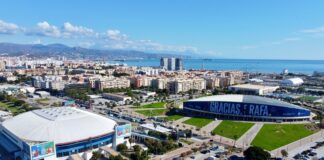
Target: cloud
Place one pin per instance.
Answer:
(114, 34)
(45, 29)
(70, 30)
(110, 39)
(86, 44)
(37, 41)
(319, 31)
(8, 28)
(292, 39)
(267, 44)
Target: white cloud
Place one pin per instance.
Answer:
(37, 41)
(8, 28)
(114, 34)
(110, 39)
(292, 39)
(86, 44)
(45, 29)
(69, 30)
(319, 31)
(279, 42)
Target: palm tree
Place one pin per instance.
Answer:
(284, 153)
(155, 125)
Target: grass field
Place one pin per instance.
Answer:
(272, 136)
(173, 117)
(153, 105)
(230, 129)
(308, 98)
(152, 112)
(198, 122)
(9, 106)
(43, 101)
(187, 141)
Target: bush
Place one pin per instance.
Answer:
(256, 153)
(121, 148)
(157, 134)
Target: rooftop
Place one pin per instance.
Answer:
(246, 99)
(61, 125)
(253, 86)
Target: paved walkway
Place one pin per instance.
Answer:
(300, 143)
(181, 120)
(211, 126)
(176, 153)
(319, 151)
(246, 139)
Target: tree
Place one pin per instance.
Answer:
(284, 153)
(119, 157)
(137, 148)
(130, 140)
(121, 147)
(96, 156)
(256, 153)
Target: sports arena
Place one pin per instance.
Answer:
(245, 107)
(57, 132)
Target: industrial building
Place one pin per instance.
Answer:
(253, 89)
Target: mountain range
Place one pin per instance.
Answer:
(52, 50)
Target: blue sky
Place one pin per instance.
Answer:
(276, 29)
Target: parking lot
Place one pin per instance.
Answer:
(307, 150)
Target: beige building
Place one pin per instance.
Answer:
(112, 83)
(184, 85)
(253, 89)
(214, 82)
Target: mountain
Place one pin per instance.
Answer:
(39, 50)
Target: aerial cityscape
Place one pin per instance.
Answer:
(161, 80)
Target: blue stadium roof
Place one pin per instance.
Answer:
(247, 99)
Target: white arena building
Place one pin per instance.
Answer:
(54, 133)
(292, 82)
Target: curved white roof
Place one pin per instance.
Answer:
(293, 81)
(247, 99)
(61, 125)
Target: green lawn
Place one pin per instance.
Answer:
(187, 141)
(230, 129)
(152, 112)
(10, 107)
(272, 136)
(43, 101)
(308, 98)
(198, 122)
(173, 117)
(153, 105)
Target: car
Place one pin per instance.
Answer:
(297, 156)
(204, 151)
(312, 154)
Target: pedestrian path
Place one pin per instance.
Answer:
(182, 120)
(300, 143)
(246, 139)
(211, 126)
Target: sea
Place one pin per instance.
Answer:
(246, 65)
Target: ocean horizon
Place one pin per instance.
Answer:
(247, 65)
